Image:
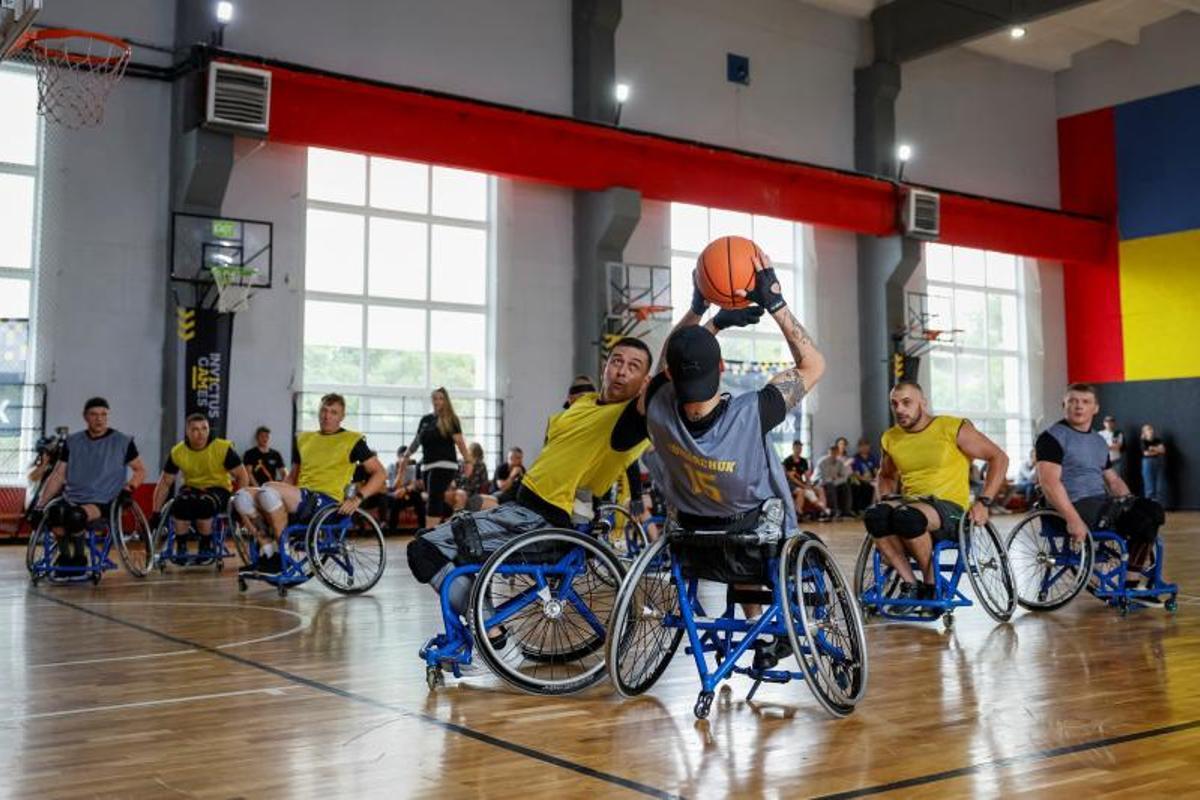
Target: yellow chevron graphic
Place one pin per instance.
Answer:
(186, 323)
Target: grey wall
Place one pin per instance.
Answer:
(1166, 58)
(980, 125)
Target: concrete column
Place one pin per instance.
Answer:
(604, 221)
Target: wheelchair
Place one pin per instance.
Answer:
(126, 528)
(170, 546)
(346, 553)
(977, 551)
(614, 525)
(1050, 568)
(808, 604)
(550, 592)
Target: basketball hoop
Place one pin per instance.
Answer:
(644, 312)
(234, 286)
(76, 70)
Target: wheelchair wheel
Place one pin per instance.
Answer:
(42, 551)
(551, 592)
(133, 537)
(829, 642)
(620, 531)
(1049, 569)
(348, 559)
(160, 537)
(640, 646)
(238, 534)
(988, 568)
(864, 577)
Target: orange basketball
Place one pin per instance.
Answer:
(725, 266)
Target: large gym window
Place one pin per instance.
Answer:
(982, 371)
(753, 355)
(398, 292)
(20, 403)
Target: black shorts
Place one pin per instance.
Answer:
(437, 481)
(714, 557)
(195, 504)
(950, 514)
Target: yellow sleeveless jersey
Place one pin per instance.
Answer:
(929, 462)
(577, 453)
(325, 464)
(204, 469)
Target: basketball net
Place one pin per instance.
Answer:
(234, 288)
(76, 71)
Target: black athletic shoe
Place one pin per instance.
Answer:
(766, 656)
(499, 640)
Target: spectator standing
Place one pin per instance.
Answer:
(1154, 457)
(1116, 443)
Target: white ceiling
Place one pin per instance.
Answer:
(1051, 42)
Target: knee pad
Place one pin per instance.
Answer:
(243, 501)
(269, 500)
(425, 559)
(878, 519)
(67, 516)
(908, 522)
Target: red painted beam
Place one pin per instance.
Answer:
(323, 110)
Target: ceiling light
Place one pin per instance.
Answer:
(1017, 32)
(903, 153)
(622, 92)
(224, 12)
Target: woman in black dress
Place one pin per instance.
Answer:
(438, 435)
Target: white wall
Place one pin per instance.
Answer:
(101, 289)
(980, 125)
(831, 314)
(800, 101)
(1166, 58)
(516, 51)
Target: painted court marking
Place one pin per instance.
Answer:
(274, 691)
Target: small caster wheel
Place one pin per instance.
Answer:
(34, 580)
(96, 579)
(241, 584)
(282, 590)
(434, 677)
(220, 567)
(948, 621)
(1123, 607)
(1171, 605)
(703, 705)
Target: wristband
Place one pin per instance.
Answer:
(984, 501)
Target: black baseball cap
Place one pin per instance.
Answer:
(694, 360)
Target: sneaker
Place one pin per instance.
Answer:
(908, 591)
(766, 656)
(272, 564)
(499, 640)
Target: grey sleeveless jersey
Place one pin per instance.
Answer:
(95, 467)
(1085, 456)
(729, 469)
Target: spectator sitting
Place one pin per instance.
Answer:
(404, 491)
(864, 468)
(834, 476)
(1027, 478)
(807, 498)
(472, 485)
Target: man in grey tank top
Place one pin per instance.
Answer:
(1078, 480)
(95, 466)
(715, 465)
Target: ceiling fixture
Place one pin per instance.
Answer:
(1017, 32)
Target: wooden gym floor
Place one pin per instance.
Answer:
(181, 687)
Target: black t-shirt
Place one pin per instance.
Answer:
(1147, 444)
(790, 464)
(434, 446)
(131, 452)
(231, 462)
(263, 466)
(631, 427)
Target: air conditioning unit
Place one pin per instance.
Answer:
(239, 98)
(920, 214)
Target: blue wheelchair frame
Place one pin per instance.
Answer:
(453, 648)
(1109, 560)
(98, 551)
(170, 552)
(947, 595)
(296, 562)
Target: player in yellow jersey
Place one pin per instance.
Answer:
(928, 459)
(323, 465)
(209, 467)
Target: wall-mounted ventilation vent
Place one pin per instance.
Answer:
(921, 214)
(239, 98)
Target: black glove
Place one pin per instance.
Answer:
(699, 302)
(766, 291)
(737, 317)
(155, 520)
(34, 515)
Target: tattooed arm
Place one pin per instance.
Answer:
(794, 383)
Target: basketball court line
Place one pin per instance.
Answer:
(107, 659)
(274, 691)
(451, 727)
(1011, 761)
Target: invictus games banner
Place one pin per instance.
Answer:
(208, 336)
